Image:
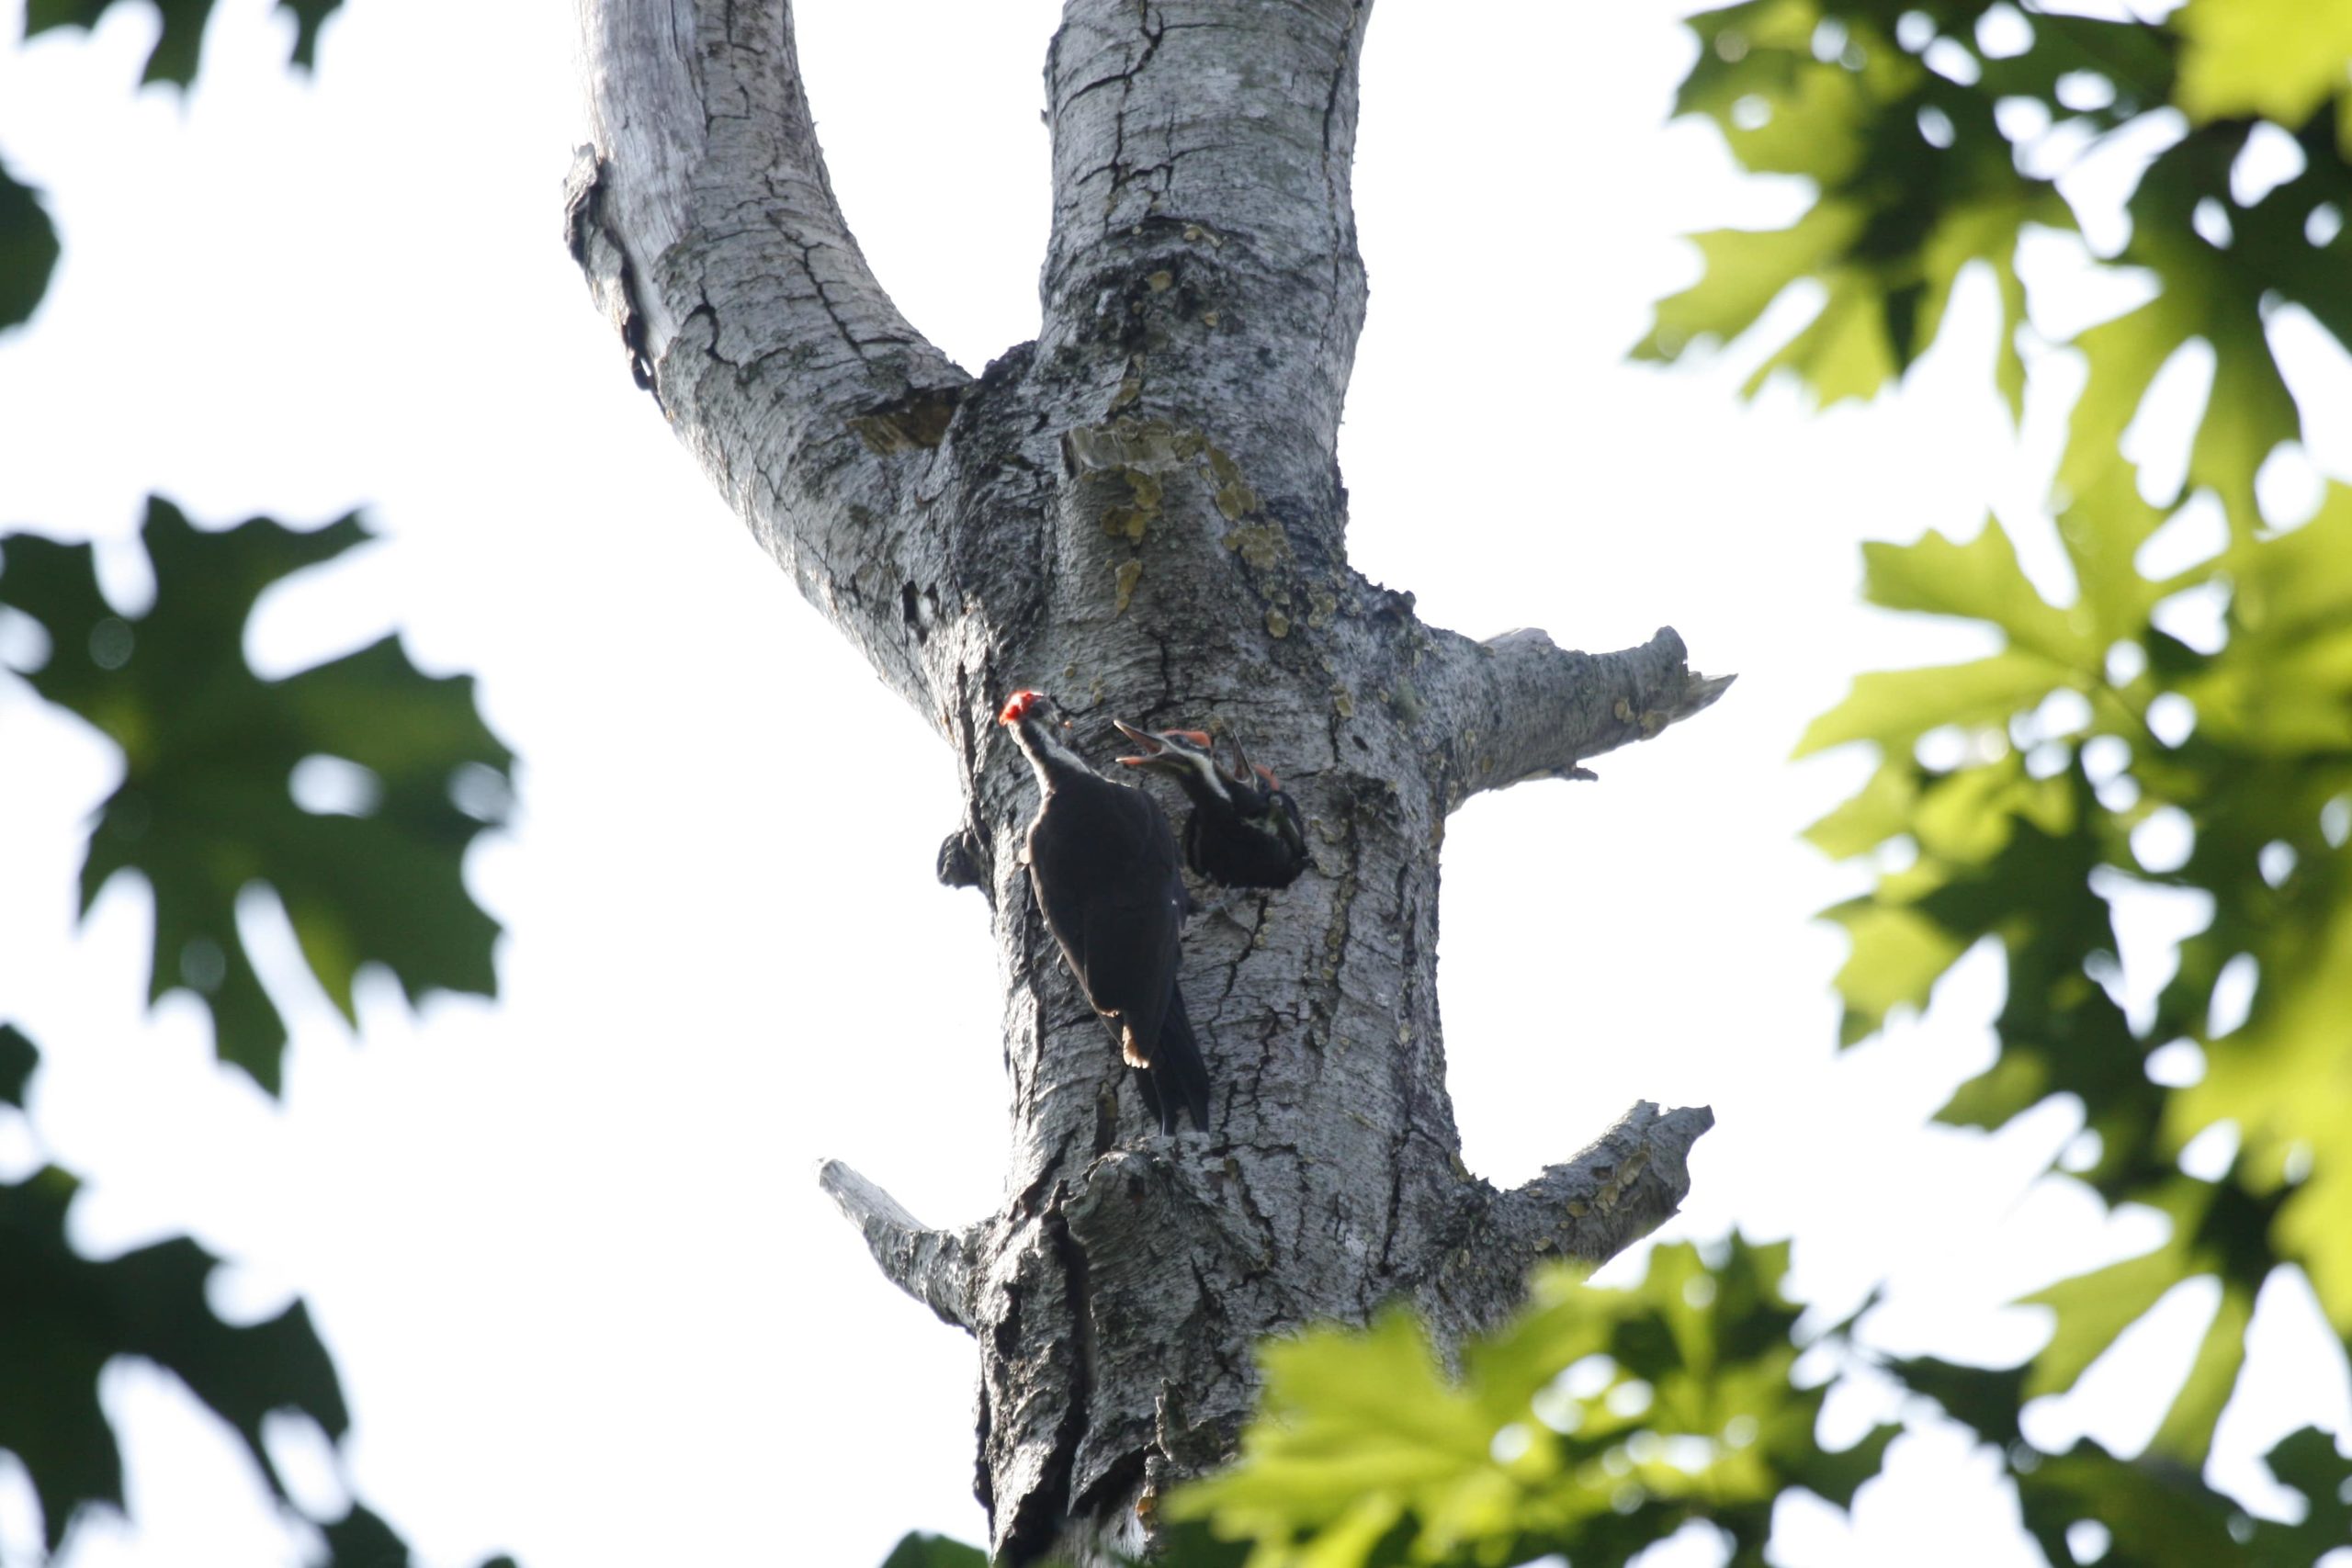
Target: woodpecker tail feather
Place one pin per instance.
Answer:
(1163, 1114)
(1178, 1074)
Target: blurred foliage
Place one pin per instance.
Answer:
(27, 239)
(28, 250)
(1597, 1422)
(179, 41)
(2187, 730)
(205, 810)
(1935, 134)
(66, 1316)
(916, 1549)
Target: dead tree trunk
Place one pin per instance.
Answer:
(1141, 513)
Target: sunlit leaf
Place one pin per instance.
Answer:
(1987, 231)
(2277, 59)
(1896, 957)
(1362, 1440)
(2282, 1080)
(1894, 708)
(1979, 580)
(1880, 810)
(1745, 271)
(2093, 1310)
(2102, 527)
(2186, 1431)
(1847, 351)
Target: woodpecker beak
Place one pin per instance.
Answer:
(1151, 747)
(1241, 772)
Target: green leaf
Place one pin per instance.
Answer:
(1987, 231)
(2102, 527)
(18, 1057)
(180, 42)
(1896, 957)
(2281, 1080)
(1980, 581)
(362, 1540)
(2013, 1085)
(1880, 810)
(2093, 1309)
(2309, 1461)
(68, 1315)
(28, 250)
(1986, 1399)
(2123, 356)
(204, 809)
(1894, 708)
(916, 1549)
(2187, 1432)
(2276, 58)
(2158, 1513)
(1745, 271)
(1846, 352)
(309, 16)
(2208, 293)
(1365, 1451)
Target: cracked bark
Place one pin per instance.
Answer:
(1140, 512)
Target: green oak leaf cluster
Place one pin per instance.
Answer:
(2141, 731)
(205, 811)
(2094, 760)
(1596, 1423)
(1935, 135)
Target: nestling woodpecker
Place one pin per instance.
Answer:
(1244, 830)
(1102, 865)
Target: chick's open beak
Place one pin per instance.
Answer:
(1151, 747)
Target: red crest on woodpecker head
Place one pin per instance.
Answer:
(1268, 774)
(1199, 737)
(1017, 706)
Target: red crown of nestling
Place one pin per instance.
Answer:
(1017, 706)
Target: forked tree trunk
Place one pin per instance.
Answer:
(1140, 513)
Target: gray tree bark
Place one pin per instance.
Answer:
(1140, 512)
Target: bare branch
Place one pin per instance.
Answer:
(1518, 707)
(934, 1267)
(705, 222)
(1625, 1184)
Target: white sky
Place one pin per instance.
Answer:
(588, 1303)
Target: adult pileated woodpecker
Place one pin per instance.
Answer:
(1244, 832)
(1102, 865)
